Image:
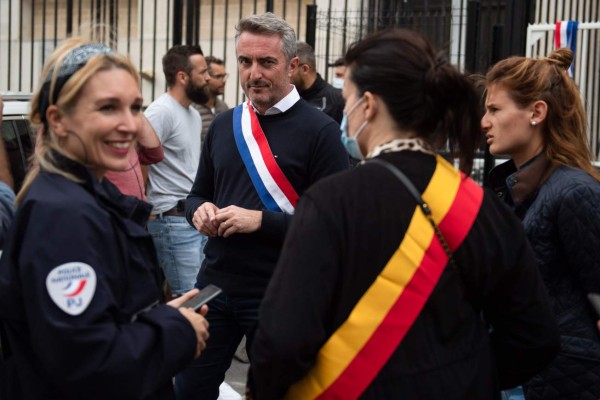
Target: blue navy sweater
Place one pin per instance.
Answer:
(307, 147)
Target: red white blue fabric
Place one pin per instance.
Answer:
(272, 186)
(565, 35)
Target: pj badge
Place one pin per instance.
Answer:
(72, 286)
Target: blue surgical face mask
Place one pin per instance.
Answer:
(350, 143)
(338, 83)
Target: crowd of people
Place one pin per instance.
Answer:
(398, 277)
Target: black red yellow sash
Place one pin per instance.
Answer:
(353, 356)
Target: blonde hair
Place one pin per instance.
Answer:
(66, 99)
(528, 80)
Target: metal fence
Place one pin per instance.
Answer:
(144, 30)
(339, 28)
(473, 33)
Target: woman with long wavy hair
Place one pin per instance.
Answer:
(535, 115)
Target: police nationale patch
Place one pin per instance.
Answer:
(72, 286)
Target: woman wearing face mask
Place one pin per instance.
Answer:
(80, 287)
(535, 116)
(378, 297)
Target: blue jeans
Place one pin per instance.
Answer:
(180, 250)
(229, 318)
(513, 394)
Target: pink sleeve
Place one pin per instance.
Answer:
(150, 156)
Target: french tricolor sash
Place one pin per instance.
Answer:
(355, 353)
(272, 186)
(565, 35)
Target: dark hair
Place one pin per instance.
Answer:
(337, 63)
(306, 54)
(527, 80)
(178, 59)
(213, 60)
(423, 93)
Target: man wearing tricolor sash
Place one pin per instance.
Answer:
(402, 278)
(256, 161)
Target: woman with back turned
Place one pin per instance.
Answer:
(534, 114)
(379, 292)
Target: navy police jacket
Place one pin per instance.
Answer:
(80, 296)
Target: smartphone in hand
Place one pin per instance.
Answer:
(205, 295)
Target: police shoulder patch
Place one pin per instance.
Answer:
(72, 286)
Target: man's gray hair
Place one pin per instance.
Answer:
(269, 24)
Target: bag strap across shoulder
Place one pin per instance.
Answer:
(422, 204)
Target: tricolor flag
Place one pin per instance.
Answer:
(565, 35)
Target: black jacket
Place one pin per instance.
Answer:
(326, 98)
(345, 229)
(68, 337)
(560, 209)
